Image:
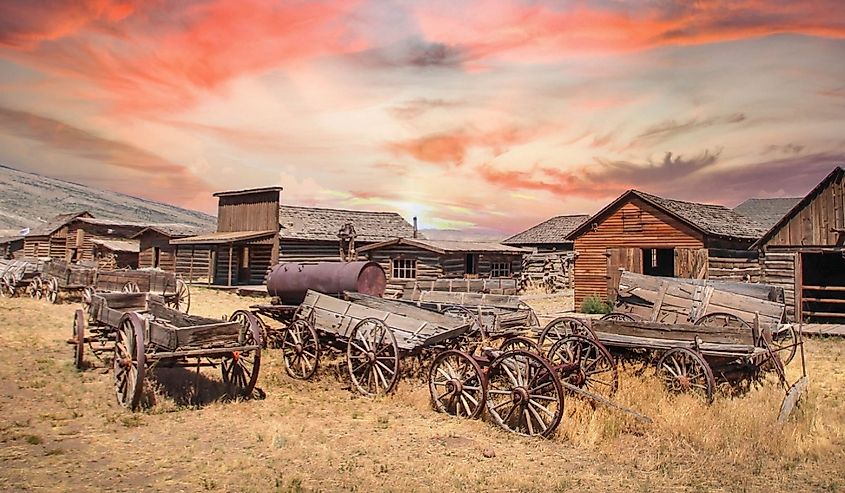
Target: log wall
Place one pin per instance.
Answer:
(192, 262)
(552, 271)
(734, 265)
(151, 240)
(778, 269)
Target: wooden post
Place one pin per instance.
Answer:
(798, 275)
(190, 264)
(229, 282)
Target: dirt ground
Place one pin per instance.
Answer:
(62, 430)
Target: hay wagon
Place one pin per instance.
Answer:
(142, 333)
(18, 275)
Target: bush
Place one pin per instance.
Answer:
(594, 304)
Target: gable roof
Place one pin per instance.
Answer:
(173, 230)
(554, 230)
(312, 223)
(837, 174)
(446, 246)
(129, 246)
(766, 212)
(708, 219)
(221, 237)
(56, 222)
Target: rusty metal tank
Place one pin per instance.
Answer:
(290, 280)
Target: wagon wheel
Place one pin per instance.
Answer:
(785, 343)
(5, 288)
(618, 317)
(372, 357)
(131, 287)
(32, 288)
(586, 364)
(520, 343)
(720, 319)
(524, 394)
(87, 298)
(561, 327)
(52, 294)
(38, 290)
(684, 370)
(300, 350)
(129, 361)
(180, 299)
(79, 325)
(466, 314)
(240, 368)
(457, 385)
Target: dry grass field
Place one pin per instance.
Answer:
(62, 430)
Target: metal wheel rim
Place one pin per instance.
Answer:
(372, 358)
(785, 346)
(129, 362)
(457, 385)
(240, 368)
(596, 370)
(684, 370)
(53, 291)
(300, 350)
(561, 327)
(519, 343)
(619, 317)
(721, 319)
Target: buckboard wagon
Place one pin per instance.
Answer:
(59, 277)
(142, 333)
(176, 293)
(17, 275)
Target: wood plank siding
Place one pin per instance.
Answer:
(815, 224)
(291, 250)
(633, 225)
(152, 242)
(248, 212)
(193, 262)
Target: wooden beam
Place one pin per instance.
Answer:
(229, 282)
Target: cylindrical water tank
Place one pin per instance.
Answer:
(290, 280)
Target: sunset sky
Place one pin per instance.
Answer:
(483, 115)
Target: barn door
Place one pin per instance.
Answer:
(629, 259)
(691, 263)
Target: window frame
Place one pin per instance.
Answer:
(401, 268)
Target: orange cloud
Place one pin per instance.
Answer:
(451, 148)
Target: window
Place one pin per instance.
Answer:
(245, 257)
(632, 222)
(500, 269)
(471, 266)
(404, 268)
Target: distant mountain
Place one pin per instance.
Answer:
(475, 234)
(27, 200)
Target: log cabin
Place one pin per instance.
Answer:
(49, 240)
(86, 237)
(548, 236)
(190, 262)
(11, 245)
(406, 260)
(804, 252)
(112, 254)
(647, 234)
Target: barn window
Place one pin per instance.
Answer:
(404, 268)
(632, 222)
(500, 269)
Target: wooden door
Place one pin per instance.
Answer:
(618, 259)
(691, 263)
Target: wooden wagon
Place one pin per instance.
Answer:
(18, 275)
(141, 332)
(168, 285)
(59, 279)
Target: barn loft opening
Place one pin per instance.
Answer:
(823, 287)
(659, 262)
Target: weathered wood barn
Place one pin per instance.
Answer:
(88, 237)
(548, 236)
(155, 251)
(254, 232)
(647, 234)
(414, 259)
(50, 238)
(11, 245)
(804, 252)
(246, 242)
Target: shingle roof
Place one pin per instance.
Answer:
(174, 230)
(55, 223)
(553, 230)
(311, 223)
(766, 212)
(447, 246)
(716, 220)
(131, 246)
(221, 237)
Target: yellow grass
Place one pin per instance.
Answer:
(61, 430)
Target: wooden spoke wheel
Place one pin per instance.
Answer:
(464, 313)
(129, 361)
(561, 327)
(5, 288)
(240, 368)
(131, 287)
(300, 350)
(39, 287)
(52, 290)
(32, 288)
(722, 320)
(520, 343)
(618, 317)
(684, 370)
(785, 343)
(79, 326)
(87, 298)
(586, 364)
(457, 385)
(180, 299)
(524, 394)
(372, 357)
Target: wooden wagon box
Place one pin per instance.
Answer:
(153, 281)
(70, 275)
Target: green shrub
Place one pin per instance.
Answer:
(594, 304)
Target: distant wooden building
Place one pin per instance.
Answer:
(548, 236)
(413, 259)
(11, 246)
(86, 237)
(646, 234)
(114, 254)
(155, 251)
(49, 240)
(804, 252)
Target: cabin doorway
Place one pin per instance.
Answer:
(659, 262)
(243, 266)
(471, 265)
(823, 287)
